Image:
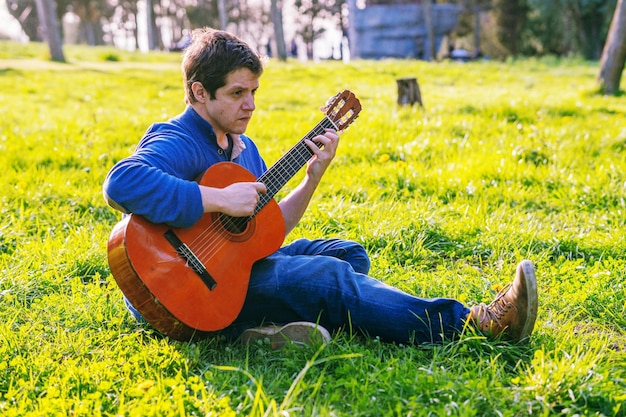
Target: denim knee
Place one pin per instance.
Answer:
(346, 250)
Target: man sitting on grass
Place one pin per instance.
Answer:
(307, 286)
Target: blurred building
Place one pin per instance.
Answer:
(397, 29)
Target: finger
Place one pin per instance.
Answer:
(331, 133)
(328, 142)
(315, 148)
(260, 187)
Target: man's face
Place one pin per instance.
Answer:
(232, 108)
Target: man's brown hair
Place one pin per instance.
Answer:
(211, 56)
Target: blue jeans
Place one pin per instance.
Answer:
(325, 281)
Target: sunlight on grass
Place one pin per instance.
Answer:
(505, 161)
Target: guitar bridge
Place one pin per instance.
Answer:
(192, 260)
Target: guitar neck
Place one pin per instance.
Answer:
(289, 164)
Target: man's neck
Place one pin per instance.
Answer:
(222, 141)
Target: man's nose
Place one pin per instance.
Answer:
(248, 103)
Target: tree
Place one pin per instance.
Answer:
(590, 20)
(511, 16)
(221, 7)
(614, 53)
(469, 24)
(150, 25)
(46, 10)
(276, 15)
(313, 17)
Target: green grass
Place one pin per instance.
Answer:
(506, 161)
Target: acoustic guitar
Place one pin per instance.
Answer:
(188, 281)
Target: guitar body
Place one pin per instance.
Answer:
(161, 285)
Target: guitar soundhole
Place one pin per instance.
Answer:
(234, 225)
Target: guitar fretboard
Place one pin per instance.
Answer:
(340, 111)
(289, 164)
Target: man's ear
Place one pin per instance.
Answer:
(199, 93)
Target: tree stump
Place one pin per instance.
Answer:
(409, 92)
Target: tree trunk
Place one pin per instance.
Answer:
(409, 92)
(353, 41)
(279, 34)
(221, 10)
(149, 26)
(614, 53)
(477, 49)
(46, 10)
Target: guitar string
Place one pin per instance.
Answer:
(211, 240)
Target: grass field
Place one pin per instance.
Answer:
(506, 161)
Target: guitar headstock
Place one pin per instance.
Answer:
(342, 109)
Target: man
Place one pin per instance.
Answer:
(307, 286)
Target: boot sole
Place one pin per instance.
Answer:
(298, 333)
(528, 271)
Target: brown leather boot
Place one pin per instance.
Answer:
(514, 311)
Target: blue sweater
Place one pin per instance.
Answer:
(158, 181)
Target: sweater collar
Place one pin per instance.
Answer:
(191, 118)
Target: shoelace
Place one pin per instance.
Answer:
(498, 307)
